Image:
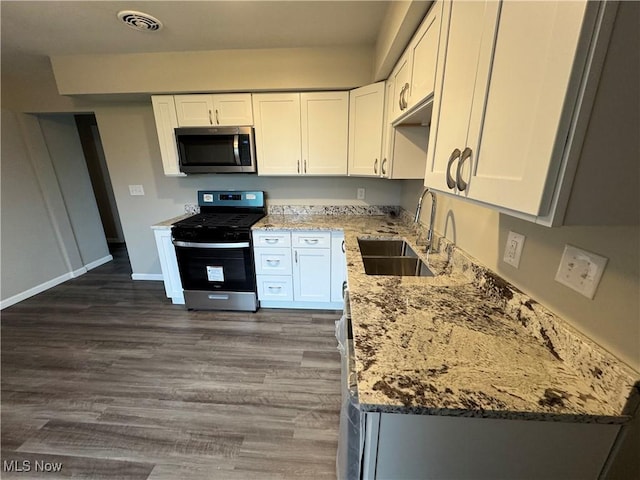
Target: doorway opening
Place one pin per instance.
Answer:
(100, 179)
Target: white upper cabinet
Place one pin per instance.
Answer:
(302, 133)
(413, 77)
(530, 82)
(467, 40)
(325, 132)
(366, 115)
(164, 111)
(278, 139)
(423, 51)
(401, 80)
(404, 147)
(214, 110)
(507, 100)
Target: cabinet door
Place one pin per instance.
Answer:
(164, 112)
(387, 131)
(338, 266)
(525, 123)
(275, 288)
(325, 132)
(277, 124)
(232, 109)
(272, 261)
(169, 266)
(271, 238)
(366, 108)
(424, 52)
(311, 239)
(194, 110)
(400, 77)
(312, 274)
(468, 31)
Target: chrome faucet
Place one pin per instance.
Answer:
(432, 219)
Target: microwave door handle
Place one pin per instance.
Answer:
(236, 149)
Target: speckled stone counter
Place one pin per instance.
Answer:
(465, 342)
(167, 224)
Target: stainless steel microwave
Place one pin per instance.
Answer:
(216, 149)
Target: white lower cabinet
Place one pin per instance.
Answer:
(169, 265)
(297, 269)
(277, 288)
(432, 446)
(312, 274)
(338, 267)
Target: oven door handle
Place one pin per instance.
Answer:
(227, 246)
(236, 149)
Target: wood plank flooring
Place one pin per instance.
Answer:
(106, 377)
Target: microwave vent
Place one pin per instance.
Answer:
(140, 21)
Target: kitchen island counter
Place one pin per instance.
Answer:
(465, 342)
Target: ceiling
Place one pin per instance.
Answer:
(34, 30)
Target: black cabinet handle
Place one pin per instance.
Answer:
(460, 183)
(451, 183)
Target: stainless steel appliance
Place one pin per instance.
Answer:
(214, 253)
(216, 149)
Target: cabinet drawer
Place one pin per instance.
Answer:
(271, 239)
(275, 287)
(273, 260)
(311, 239)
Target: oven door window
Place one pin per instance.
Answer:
(216, 269)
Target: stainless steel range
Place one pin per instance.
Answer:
(215, 258)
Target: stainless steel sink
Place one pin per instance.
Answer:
(385, 248)
(398, 266)
(391, 257)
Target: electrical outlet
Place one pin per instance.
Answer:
(580, 270)
(360, 194)
(136, 190)
(513, 249)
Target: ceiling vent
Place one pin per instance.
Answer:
(140, 21)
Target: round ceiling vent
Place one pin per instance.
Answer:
(140, 21)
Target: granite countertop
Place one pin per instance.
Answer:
(465, 342)
(167, 224)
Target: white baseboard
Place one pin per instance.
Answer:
(303, 305)
(78, 272)
(37, 289)
(147, 276)
(97, 263)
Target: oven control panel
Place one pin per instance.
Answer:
(216, 198)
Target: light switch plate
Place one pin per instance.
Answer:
(136, 190)
(513, 249)
(580, 270)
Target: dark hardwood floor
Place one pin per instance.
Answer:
(105, 376)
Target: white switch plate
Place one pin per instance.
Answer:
(360, 194)
(136, 190)
(513, 249)
(580, 270)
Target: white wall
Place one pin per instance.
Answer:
(30, 255)
(216, 70)
(63, 143)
